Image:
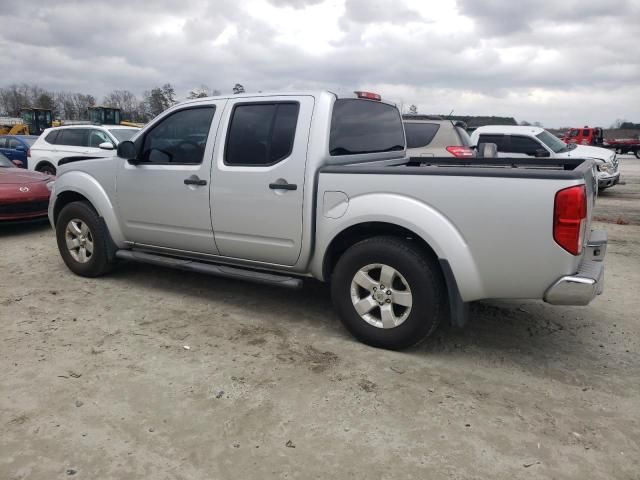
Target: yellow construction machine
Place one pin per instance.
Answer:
(110, 116)
(32, 121)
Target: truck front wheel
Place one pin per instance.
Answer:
(388, 292)
(82, 240)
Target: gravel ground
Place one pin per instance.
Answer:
(151, 373)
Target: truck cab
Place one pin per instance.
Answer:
(584, 136)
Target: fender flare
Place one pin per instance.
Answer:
(87, 186)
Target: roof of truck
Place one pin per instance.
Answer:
(312, 93)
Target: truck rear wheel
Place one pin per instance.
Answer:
(82, 240)
(388, 292)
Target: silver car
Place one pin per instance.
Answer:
(437, 138)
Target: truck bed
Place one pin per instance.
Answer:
(497, 214)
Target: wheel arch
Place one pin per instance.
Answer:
(79, 186)
(45, 163)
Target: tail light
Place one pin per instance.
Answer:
(28, 153)
(460, 152)
(369, 96)
(569, 218)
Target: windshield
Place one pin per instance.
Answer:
(123, 134)
(5, 162)
(29, 140)
(553, 142)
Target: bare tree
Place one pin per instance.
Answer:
(158, 99)
(413, 110)
(238, 88)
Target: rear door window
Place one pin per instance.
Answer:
(364, 126)
(420, 134)
(261, 134)
(73, 137)
(499, 140)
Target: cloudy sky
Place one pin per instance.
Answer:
(560, 62)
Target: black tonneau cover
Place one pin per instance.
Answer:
(561, 169)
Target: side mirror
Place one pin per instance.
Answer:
(541, 153)
(128, 151)
(18, 163)
(106, 146)
(487, 150)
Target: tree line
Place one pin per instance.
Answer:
(74, 105)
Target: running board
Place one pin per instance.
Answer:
(210, 269)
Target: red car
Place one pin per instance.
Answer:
(23, 194)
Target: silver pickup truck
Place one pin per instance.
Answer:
(273, 188)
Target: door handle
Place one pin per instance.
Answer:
(194, 180)
(283, 186)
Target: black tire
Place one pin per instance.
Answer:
(48, 169)
(419, 270)
(98, 262)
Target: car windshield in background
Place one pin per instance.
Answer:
(123, 134)
(5, 162)
(420, 134)
(363, 126)
(553, 142)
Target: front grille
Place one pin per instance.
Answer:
(24, 207)
(615, 161)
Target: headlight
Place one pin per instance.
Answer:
(50, 185)
(606, 167)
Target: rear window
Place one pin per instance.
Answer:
(420, 134)
(51, 137)
(363, 126)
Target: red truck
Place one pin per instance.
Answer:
(595, 136)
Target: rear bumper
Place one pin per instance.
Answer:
(588, 282)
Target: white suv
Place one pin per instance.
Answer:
(526, 142)
(75, 141)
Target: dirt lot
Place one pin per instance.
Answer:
(97, 381)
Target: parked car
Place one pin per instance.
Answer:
(536, 142)
(23, 194)
(16, 147)
(437, 138)
(276, 188)
(76, 141)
